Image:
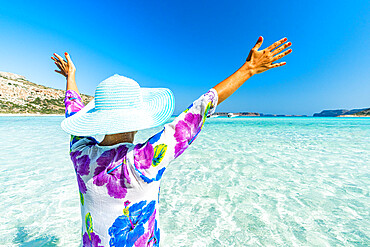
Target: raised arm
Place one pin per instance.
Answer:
(72, 101)
(152, 157)
(257, 62)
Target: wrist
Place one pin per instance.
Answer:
(248, 69)
(71, 75)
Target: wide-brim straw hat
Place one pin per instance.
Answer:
(121, 105)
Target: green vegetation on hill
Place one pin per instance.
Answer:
(52, 106)
(18, 96)
(363, 113)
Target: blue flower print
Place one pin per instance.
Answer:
(127, 228)
(156, 236)
(156, 137)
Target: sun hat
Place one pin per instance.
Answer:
(121, 105)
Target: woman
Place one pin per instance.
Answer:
(118, 181)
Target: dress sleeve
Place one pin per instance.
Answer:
(152, 157)
(73, 103)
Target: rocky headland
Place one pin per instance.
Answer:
(344, 113)
(20, 96)
(363, 113)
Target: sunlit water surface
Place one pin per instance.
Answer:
(243, 182)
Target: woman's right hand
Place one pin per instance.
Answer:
(66, 68)
(261, 61)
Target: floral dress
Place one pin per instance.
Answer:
(119, 184)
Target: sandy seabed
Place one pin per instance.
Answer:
(242, 182)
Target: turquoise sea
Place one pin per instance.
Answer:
(243, 182)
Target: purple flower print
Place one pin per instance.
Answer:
(94, 242)
(143, 159)
(112, 171)
(81, 165)
(72, 102)
(185, 131)
(143, 240)
(73, 108)
(143, 155)
(148, 239)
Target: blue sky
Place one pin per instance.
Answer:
(190, 46)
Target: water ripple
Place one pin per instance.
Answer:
(243, 182)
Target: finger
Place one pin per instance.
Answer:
(281, 48)
(277, 65)
(56, 59)
(57, 63)
(276, 44)
(259, 43)
(60, 66)
(68, 58)
(282, 55)
(60, 58)
(60, 72)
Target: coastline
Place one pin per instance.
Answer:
(29, 115)
(213, 116)
(59, 115)
(353, 116)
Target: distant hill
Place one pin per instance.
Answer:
(336, 113)
(363, 113)
(18, 95)
(251, 114)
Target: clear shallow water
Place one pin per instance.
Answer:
(243, 182)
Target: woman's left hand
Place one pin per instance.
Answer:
(261, 61)
(66, 68)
